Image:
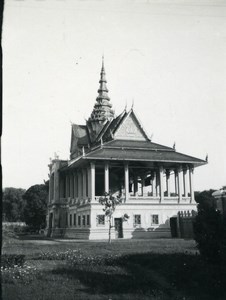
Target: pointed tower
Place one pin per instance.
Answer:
(102, 110)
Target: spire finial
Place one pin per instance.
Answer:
(103, 108)
(103, 61)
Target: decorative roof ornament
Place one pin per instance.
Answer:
(102, 110)
(56, 156)
(125, 109)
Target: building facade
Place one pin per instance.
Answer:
(114, 154)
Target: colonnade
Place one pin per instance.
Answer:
(75, 184)
(80, 183)
(183, 181)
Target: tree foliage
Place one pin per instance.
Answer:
(210, 230)
(110, 202)
(36, 205)
(13, 204)
(205, 198)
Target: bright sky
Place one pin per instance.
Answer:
(167, 56)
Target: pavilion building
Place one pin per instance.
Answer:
(114, 154)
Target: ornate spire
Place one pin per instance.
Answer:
(103, 108)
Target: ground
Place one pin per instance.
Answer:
(34, 267)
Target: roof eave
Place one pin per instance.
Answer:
(195, 163)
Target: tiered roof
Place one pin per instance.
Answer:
(102, 110)
(121, 138)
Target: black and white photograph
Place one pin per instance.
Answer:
(113, 150)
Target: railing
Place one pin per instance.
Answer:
(157, 199)
(131, 200)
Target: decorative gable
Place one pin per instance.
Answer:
(79, 139)
(130, 129)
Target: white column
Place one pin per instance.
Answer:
(142, 185)
(71, 186)
(135, 185)
(84, 183)
(50, 188)
(92, 183)
(191, 172)
(126, 172)
(180, 180)
(67, 186)
(106, 177)
(176, 181)
(154, 184)
(168, 182)
(75, 184)
(161, 183)
(80, 184)
(185, 182)
(157, 184)
(61, 186)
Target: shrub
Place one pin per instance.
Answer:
(12, 260)
(209, 231)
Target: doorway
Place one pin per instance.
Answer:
(118, 228)
(173, 227)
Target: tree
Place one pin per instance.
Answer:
(36, 205)
(205, 198)
(13, 204)
(209, 231)
(110, 202)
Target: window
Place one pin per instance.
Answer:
(155, 219)
(137, 221)
(70, 219)
(87, 220)
(74, 219)
(100, 219)
(79, 220)
(84, 220)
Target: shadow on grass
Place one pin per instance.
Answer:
(171, 276)
(38, 237)
(100, 282)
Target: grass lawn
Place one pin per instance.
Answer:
(39, 268)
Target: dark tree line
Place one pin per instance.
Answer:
(210, 228)
(27, 206)
(13, 204)
(205, 198)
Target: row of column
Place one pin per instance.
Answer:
(157, 178)
(157, 183)
(183, 182)
(81, 184)
(75, 185)
(183, 179)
